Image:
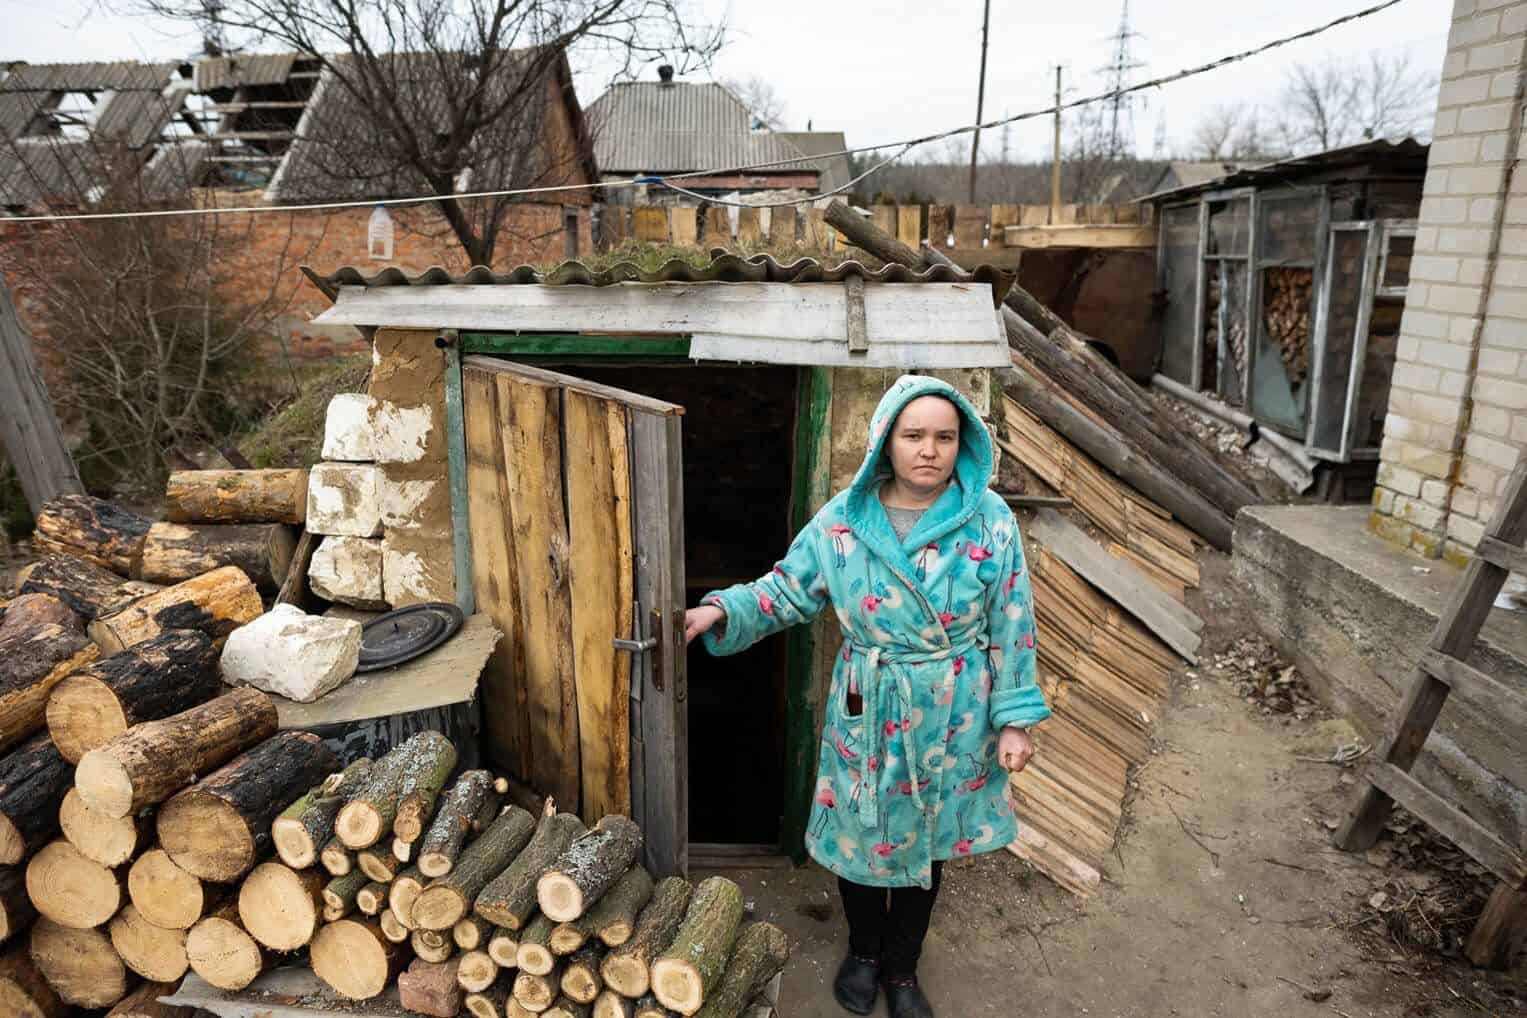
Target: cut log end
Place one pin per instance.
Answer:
(504, 949)
(293, 843)
(359, 825)
(392, 929)
(439, 908)
(435, 864)
(335, 858)
(206, 836)
(377, 865)
(110, 841)
(627, 974)
(560, 897)
(223, 954)
(154, 953)
(104, 784)
(677, 985)
(354, 959)
(165, 894)
(536, 959)
(476, 971)
(13, 847)
(81, 965)
(83, 713)
(70, 889)
(280, 907)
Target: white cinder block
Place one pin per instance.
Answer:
(292, 654)
(402, 432)
(347, 428)
(344, 500)
(348, 570)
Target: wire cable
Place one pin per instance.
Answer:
(904, 146)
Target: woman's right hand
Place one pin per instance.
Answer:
(700, 620)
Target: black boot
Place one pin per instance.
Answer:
(904, 999)
(857, 984)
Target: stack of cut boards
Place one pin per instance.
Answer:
(1140, 531)
(1104, 674)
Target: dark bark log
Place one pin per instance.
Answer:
(32, 664)
(590, 866)
(71, 890)
(509, 899)
(534, 954)
(89, 589)
(34, 777)
(458, 808)
(214, 603)
(26, 612)
(23, 990)
(81, 965)
(613, 917)
(685, 974)
(628, 967)
(223, 953)
(281, 907)
(308, 823)
(154, 760)
(156, 954)
(16, 909)
(471, 933)
(431, 988)
(536, 992)
(372, 897)
(423, 778)
(144, 1003)
(173, 552)
(92, 529)
(449, 898)
(580, 976)
(220, 827)
(489, 1003)
(355, 960)
(159, 677)
(341, 896)
(237, 496)
(761, 952)
(477, 970)
(164, 893)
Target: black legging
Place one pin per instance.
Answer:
(892, 934)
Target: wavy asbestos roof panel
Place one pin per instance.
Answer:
(116, 76)
(658, 127)
(243, 69)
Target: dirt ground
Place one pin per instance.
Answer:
(1223, 897)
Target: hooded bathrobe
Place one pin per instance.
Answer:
(938, 640)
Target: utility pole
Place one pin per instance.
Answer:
(975, 141)
(1055, 161)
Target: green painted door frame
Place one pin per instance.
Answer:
(808, 492)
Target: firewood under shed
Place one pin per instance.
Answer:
(220, 827)
(152, 761)
(473, 792)
(165, 675)
(449, 898)
(509, 899)
(588, 867)
(628, 968)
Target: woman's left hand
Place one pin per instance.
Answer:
(1014, 747)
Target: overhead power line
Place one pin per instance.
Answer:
(904, 146)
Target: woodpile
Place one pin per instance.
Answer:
(1286, 317)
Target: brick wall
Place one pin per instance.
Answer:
(1458, 409)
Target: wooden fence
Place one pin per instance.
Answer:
(990, 229)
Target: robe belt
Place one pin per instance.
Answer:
(865, 662)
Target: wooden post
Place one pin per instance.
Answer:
(34, 442)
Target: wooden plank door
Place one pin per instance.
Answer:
(575, 502)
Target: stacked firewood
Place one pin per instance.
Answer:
(389, 872)
(1286, 317)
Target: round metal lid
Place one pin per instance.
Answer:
(403, 635)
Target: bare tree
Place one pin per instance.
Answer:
(1233, 131)
(1341, 101)
(436, 97)
(761, 100)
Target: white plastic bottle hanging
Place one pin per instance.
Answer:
(379, 235)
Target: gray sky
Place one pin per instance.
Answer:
(887, 69)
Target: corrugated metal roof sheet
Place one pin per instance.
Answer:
(835, 169)
(174, 170)
(751, 310)
(1405, 150)
(723, 267)
(243, 69)
(118, 75)
(35, 171)
(17, 110)
(136, 119)
(657, 127)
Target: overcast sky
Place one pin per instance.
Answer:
(881, 70)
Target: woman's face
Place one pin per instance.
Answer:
(925, 441)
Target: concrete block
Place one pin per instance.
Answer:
(1482, 210)
(1418, 513)
(344, 500)
(1434, 268)
(347, 433)
(1479, 475)
(1478, 29)
(1464, 92)
(1453, 383)
(1465, 502)
(348, 570)
(407, 434)
(416, 496)
(1420, 323)
(1505, 332)
(1463, 239)
(417, 567)
(1474, 180)
(1491, 421)
(1485, 117)
(1511, 271)
(1519, 430)
(292, 654)
(1454, 300)
(1438, 210)
(1383, 500)
(1514, 21)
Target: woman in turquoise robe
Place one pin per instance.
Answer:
(934, 687)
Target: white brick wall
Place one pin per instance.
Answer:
(1458, 405)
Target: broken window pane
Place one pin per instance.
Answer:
(1179, 282)
(1344, 306)
(1230, 227)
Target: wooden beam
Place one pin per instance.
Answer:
(1452, 823)
(1490, 696)
(1501, 930)
(1499, 553)
(34, 441)
(1105, 236)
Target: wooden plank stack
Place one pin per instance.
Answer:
(1139, 530)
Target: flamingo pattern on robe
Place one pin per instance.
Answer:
(938, 640)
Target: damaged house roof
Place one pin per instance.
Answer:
(733, 309)
(1406, 157)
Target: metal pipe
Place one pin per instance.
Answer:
(1213, 408)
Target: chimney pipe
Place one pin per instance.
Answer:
(665, 74)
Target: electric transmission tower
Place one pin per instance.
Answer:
(1119, 110)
